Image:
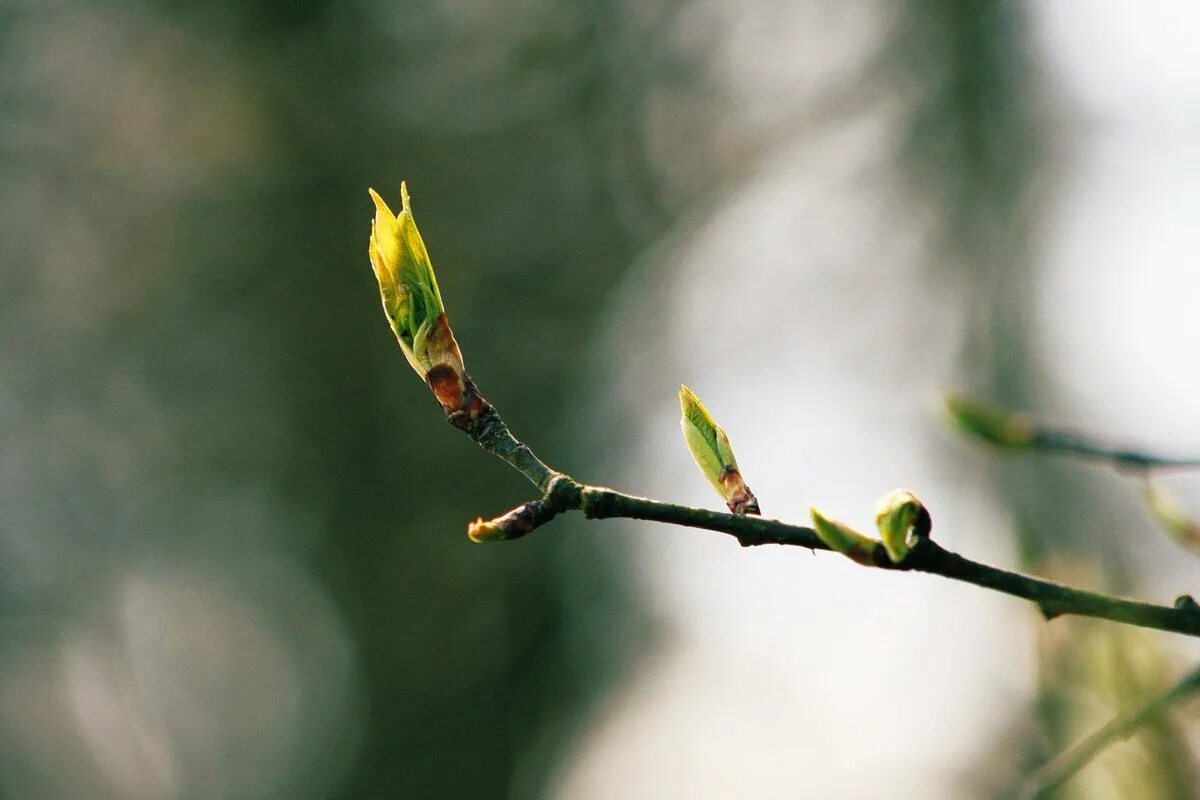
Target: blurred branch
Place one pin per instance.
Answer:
(1075, 444)
(1062, 768)
(1015, 430)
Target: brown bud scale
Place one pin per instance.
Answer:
(741, 499)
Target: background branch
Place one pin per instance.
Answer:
(1017, 430)
(1062, 768)
(1071, 443)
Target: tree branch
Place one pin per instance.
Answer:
(1020, 431)
(1063, 767)
(412, 304)
(562, 493)
(1075, 444)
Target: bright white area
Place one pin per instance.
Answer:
(803, 311)
(1118, 305)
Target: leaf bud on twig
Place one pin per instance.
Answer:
(713, 454)
(993, 424)
(841, 538)
(413, 304)
(902, 520)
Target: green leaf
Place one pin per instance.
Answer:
(841, 538)
(712, 452)
(412, 301)
(993, 424)
(1171, 516)
(705, 439)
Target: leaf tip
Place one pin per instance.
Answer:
(381, 206)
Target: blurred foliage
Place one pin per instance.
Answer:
(203, 411)
(976, 139)
(195, 366)
(1092, 673)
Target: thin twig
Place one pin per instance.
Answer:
(1063, 767)
(562, 493)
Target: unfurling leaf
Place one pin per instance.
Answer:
(841, 538)
(901, 518)
(1172, 517)
(412, 301)
(713, 454)
(999, 426)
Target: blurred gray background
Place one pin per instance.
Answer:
(233, 560)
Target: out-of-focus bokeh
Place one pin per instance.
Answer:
(232, 550)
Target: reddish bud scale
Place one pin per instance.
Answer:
(448, 388)
(447, 376)
(741, 499)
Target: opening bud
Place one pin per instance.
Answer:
(843, 539)
(902, 520)
(993, 424)
(486, 530)
(713, 454)
(412, 301)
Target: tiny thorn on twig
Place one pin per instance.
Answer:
(1048, 612)
(749, 538)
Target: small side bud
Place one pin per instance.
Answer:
(843, 539)
(713, 454)
(413, 305)
(902, 520)
(512, 524)
(993, 424)
(1171, 516)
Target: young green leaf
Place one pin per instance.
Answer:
(999, 426)
(412, 301)
(713, 454)
(1171, 516)
(843, 539)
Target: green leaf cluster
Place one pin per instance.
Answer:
(408, 287)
